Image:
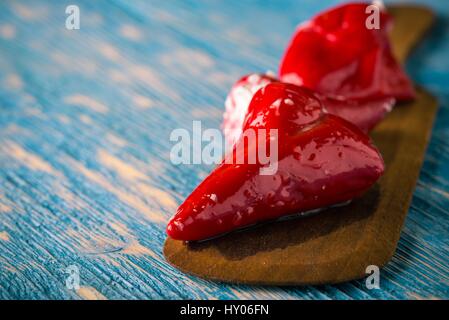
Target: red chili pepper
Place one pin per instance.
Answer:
(365, 113)
(322, 160)
(337, 55)
(350, 67)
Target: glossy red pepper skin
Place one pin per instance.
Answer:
(335, 54)
(365, 113)
(237, 102)
(323, 160)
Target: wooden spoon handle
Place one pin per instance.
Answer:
(411, 22)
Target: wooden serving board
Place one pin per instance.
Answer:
(338, 244)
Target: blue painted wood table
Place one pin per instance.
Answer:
(85, 117)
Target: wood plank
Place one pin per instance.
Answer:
(151, 79)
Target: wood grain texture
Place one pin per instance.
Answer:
(85, 118)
